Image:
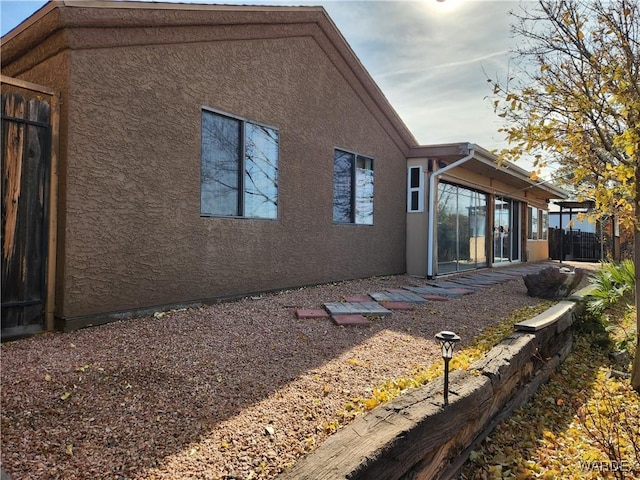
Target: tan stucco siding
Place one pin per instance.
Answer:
(417, 227)
(537, 250)
(134, 235)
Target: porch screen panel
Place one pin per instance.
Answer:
(466, 258)
(502, 230)
(478, 225)
(461, 229)
(506, 230)
(447, 227)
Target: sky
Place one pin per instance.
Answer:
(431, 59)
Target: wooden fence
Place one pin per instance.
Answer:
(29, 160)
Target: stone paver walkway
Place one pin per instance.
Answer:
(353, 311)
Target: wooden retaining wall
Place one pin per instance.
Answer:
(416, 437)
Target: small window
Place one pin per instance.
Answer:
(415, 194)
(352, 188)
(239, 168)
(532, 223)
(537, 224)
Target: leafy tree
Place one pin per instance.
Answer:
(574, 101)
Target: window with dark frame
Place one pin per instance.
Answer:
(352, 188)
(415, 196)
(239, 168)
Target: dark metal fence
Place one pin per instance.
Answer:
(578, 245)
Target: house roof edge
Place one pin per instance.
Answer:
(62, 14)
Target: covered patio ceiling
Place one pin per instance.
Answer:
(485, 163)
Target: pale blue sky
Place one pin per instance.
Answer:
(430, 59)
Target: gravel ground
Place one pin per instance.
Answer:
(236, 390)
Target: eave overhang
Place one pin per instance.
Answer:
(486, 164)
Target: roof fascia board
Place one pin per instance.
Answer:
(459, 150)
(28, 22)
(492, 160)
(513, 170)
(138, 4)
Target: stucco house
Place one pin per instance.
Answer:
(201, 152)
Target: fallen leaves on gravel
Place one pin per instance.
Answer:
(190, 394)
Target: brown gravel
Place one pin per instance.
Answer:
(237, 390)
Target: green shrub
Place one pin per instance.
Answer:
(612, 282)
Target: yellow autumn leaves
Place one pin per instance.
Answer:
(583, 424)
(462, 360)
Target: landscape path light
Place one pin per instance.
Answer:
(448, 341)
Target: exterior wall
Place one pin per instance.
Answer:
(417, 228)
(133, 235)
(537, 250)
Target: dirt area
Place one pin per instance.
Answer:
(237, 390)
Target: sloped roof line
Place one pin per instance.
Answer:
(18, 41)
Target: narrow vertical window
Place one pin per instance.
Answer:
(364, 191)
(533, 225)
(352, 188)
(415, 193)
(239, 168)
(544, 219)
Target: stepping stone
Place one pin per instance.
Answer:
(445, 285)
(398, 305)
(400, 296)
(441, 292)
(350, 320)
(357, 308)
(435, 298)
(461, 291)
(300, 313)
(357, 299)
(474, 283)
